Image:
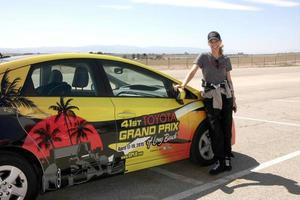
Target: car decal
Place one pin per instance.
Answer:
(72, 150)
(189, 108)
(72, 146)
(138, 135)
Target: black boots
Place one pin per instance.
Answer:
(220, 166)
(228, 164)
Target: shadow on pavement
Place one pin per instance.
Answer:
(265, 179)
(245, 163)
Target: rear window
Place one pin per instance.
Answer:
(12, 58)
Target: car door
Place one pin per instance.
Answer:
(153, 127)
(73, 123)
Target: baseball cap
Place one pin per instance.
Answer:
(214, 35)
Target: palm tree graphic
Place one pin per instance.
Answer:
(46, 136)
(66, 110)
(80, 130)
(10, 95)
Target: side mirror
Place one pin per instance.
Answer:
(181, 94)
(118, 70)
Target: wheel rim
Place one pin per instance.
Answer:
(205, 148)
(13, 183)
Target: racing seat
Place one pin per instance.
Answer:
(55, 86)
(81, 78)
(55, 77)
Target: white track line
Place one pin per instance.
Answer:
(222, 181)
(207, 186)
(287, 101)
(275, 161)
(176, 176)
(267, 121)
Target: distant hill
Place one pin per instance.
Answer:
(106, 49)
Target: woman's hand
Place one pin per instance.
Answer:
(177, 86)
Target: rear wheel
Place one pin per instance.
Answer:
(201, 149)
(18, 180)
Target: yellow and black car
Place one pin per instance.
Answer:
(67, 118)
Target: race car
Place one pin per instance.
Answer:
(67, 118)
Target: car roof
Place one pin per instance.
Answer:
(21, 61)
(4, 59)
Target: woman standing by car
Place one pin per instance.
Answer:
(219, 99)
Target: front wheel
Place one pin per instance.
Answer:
(18, 180)
(201, 149)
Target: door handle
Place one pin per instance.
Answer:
(125, 115)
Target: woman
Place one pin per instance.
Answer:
(219, 99)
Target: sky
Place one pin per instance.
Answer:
(249, 26)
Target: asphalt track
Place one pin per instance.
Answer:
(267, 150)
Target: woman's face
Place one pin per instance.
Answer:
(215, 44)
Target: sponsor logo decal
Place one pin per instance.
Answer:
(147, 131)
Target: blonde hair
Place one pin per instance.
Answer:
(221, 51)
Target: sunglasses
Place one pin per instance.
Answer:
(217, 63)
(213, 41)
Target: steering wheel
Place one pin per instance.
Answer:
(61, 89)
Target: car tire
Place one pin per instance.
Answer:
(201, 150)
(18, 178)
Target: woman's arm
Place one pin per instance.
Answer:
(230, 82)
(190, 75)
(232, 90)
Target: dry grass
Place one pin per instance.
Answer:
(264, 60)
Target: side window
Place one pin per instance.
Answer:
(60, 78)
(133, 81)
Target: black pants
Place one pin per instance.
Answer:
(220, 127)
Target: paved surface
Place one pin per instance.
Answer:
(268, 128)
